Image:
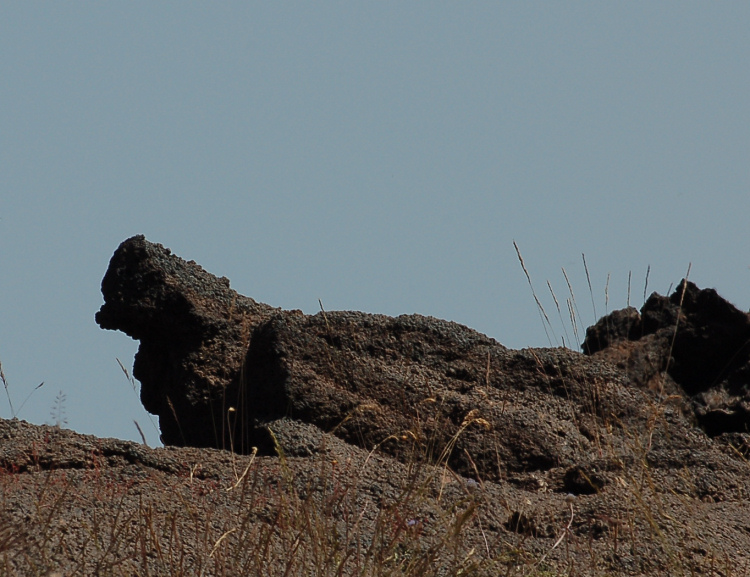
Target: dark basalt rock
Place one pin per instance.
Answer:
(222, 370)
(694, 343)
(193, 332)
(218, 368)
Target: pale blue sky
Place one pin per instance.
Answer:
(378, 156)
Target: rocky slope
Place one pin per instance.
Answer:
(348, 443)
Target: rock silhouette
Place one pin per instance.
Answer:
(384, 441)
(220, 370)
(693, 343)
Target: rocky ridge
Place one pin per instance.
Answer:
(632, 453)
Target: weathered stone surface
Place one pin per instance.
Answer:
(377, 380)
(705, 356)
(652, 493)
(218, 367)
(193, 332)
(222, 370)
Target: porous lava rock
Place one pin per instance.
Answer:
(193, 332)
(693, 343)
(221, 370)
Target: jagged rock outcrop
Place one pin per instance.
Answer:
(193, 332)
(559, 462)
(222, 370)
(693, 343)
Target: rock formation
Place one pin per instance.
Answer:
(694, 344)
(221, 370)
(193, 332)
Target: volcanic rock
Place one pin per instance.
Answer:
(693, 343)
(193, 332)
(401, 445)
(221, 370)
(218, 368)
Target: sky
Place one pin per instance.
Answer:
(379, 156)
